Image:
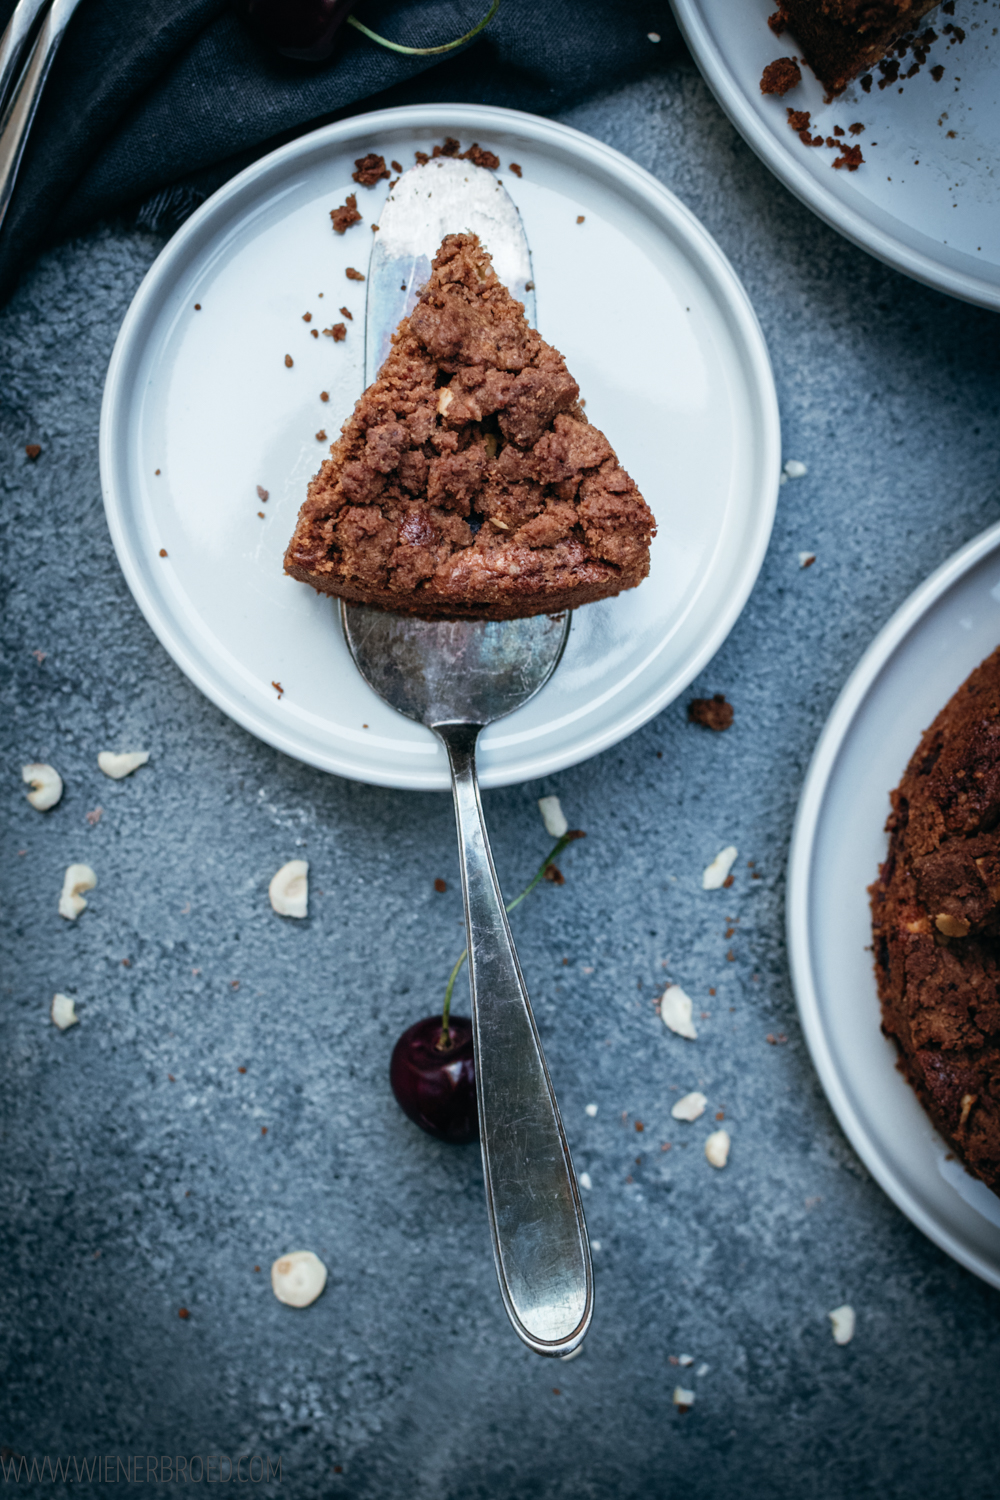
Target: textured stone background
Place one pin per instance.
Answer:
(126, 1196)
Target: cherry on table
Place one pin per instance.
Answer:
(434, 1080)
(303, 29)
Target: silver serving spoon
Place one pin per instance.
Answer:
(456, 678)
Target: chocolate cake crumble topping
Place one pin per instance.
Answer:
(468, 483)
(936, 922)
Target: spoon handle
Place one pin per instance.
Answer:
(536, 1218)
(19, 115)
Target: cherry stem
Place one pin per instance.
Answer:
(550, 858)
(382, 41)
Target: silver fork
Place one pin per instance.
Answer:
(19, 100)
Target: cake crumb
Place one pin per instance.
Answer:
(480, 157)
(33, 450)
(799, 119)
(579, 218)
(321, 435)
(347, 314)
(857, 128)
(307, 317)
(440, 886)
(370, 169)
(262, 493)
(711, 713)
(94, 817)
(289, 361)
(850, 158)
(353, 275)
(516, 169)
(806, 559)
(338, 332)
(780, 76)
(163, 551)
(396, 166)
(347, 214)
(324, 395)
(278, 688)
(776, 21)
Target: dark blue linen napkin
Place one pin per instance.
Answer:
(150, 107)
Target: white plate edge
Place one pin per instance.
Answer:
(800, 857)
(796, 177)
(745, 329)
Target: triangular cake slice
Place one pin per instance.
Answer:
(467, 483)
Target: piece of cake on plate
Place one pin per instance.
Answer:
(467, 482)
(936, 919)
(841, 38)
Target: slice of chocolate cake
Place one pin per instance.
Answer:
(841, 38)
(467, 483)
(936, 921)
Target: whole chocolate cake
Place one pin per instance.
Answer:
(467, 483)
(936, 920)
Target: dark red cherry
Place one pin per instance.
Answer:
(304, 29)
(436, 1085)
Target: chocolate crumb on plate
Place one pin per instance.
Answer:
(262, 493)
(33, 450)
(396, 166)
(347, 214)
(780, 76)
(516, 169)
(348, 315)
(353, 275)
(338, 332)
(370, 169)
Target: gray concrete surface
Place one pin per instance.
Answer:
(127, 1195)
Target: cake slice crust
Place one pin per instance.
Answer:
(467, 482)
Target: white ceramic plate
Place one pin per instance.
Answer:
(902, 682)
(927, 200)
(654, 325)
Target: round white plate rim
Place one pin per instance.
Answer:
(847, 221)
(745, 330)
(800, 859)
